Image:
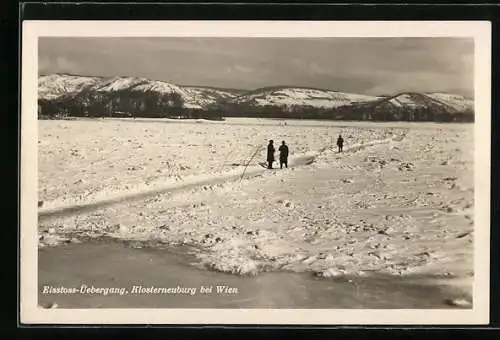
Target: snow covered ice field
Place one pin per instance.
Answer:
(398, 201)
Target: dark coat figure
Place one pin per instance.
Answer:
(270, 154)
(340, 143)
(283, 149)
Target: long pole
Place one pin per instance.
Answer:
(251, 158)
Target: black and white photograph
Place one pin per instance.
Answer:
(305, 170)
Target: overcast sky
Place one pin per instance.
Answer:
(359, 65)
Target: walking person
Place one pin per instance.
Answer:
(283, 149)
(340, 143)
(270, 154)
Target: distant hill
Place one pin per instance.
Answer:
(56, 86)
(134, 96)
(419, 106)
(212, 94)
(300, 96)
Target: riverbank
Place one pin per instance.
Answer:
(120, 267)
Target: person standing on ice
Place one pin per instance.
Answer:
(270, 154)
(283, 149)
(340, 143)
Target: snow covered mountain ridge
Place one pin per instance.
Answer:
(55, 86)
(71, 88)
(301, 96)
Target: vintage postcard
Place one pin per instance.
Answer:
(204, 172)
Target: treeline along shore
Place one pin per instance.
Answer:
(143, 108)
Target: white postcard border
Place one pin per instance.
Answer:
(480, 31)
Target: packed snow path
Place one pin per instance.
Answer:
(194, 181)
(84, 161)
